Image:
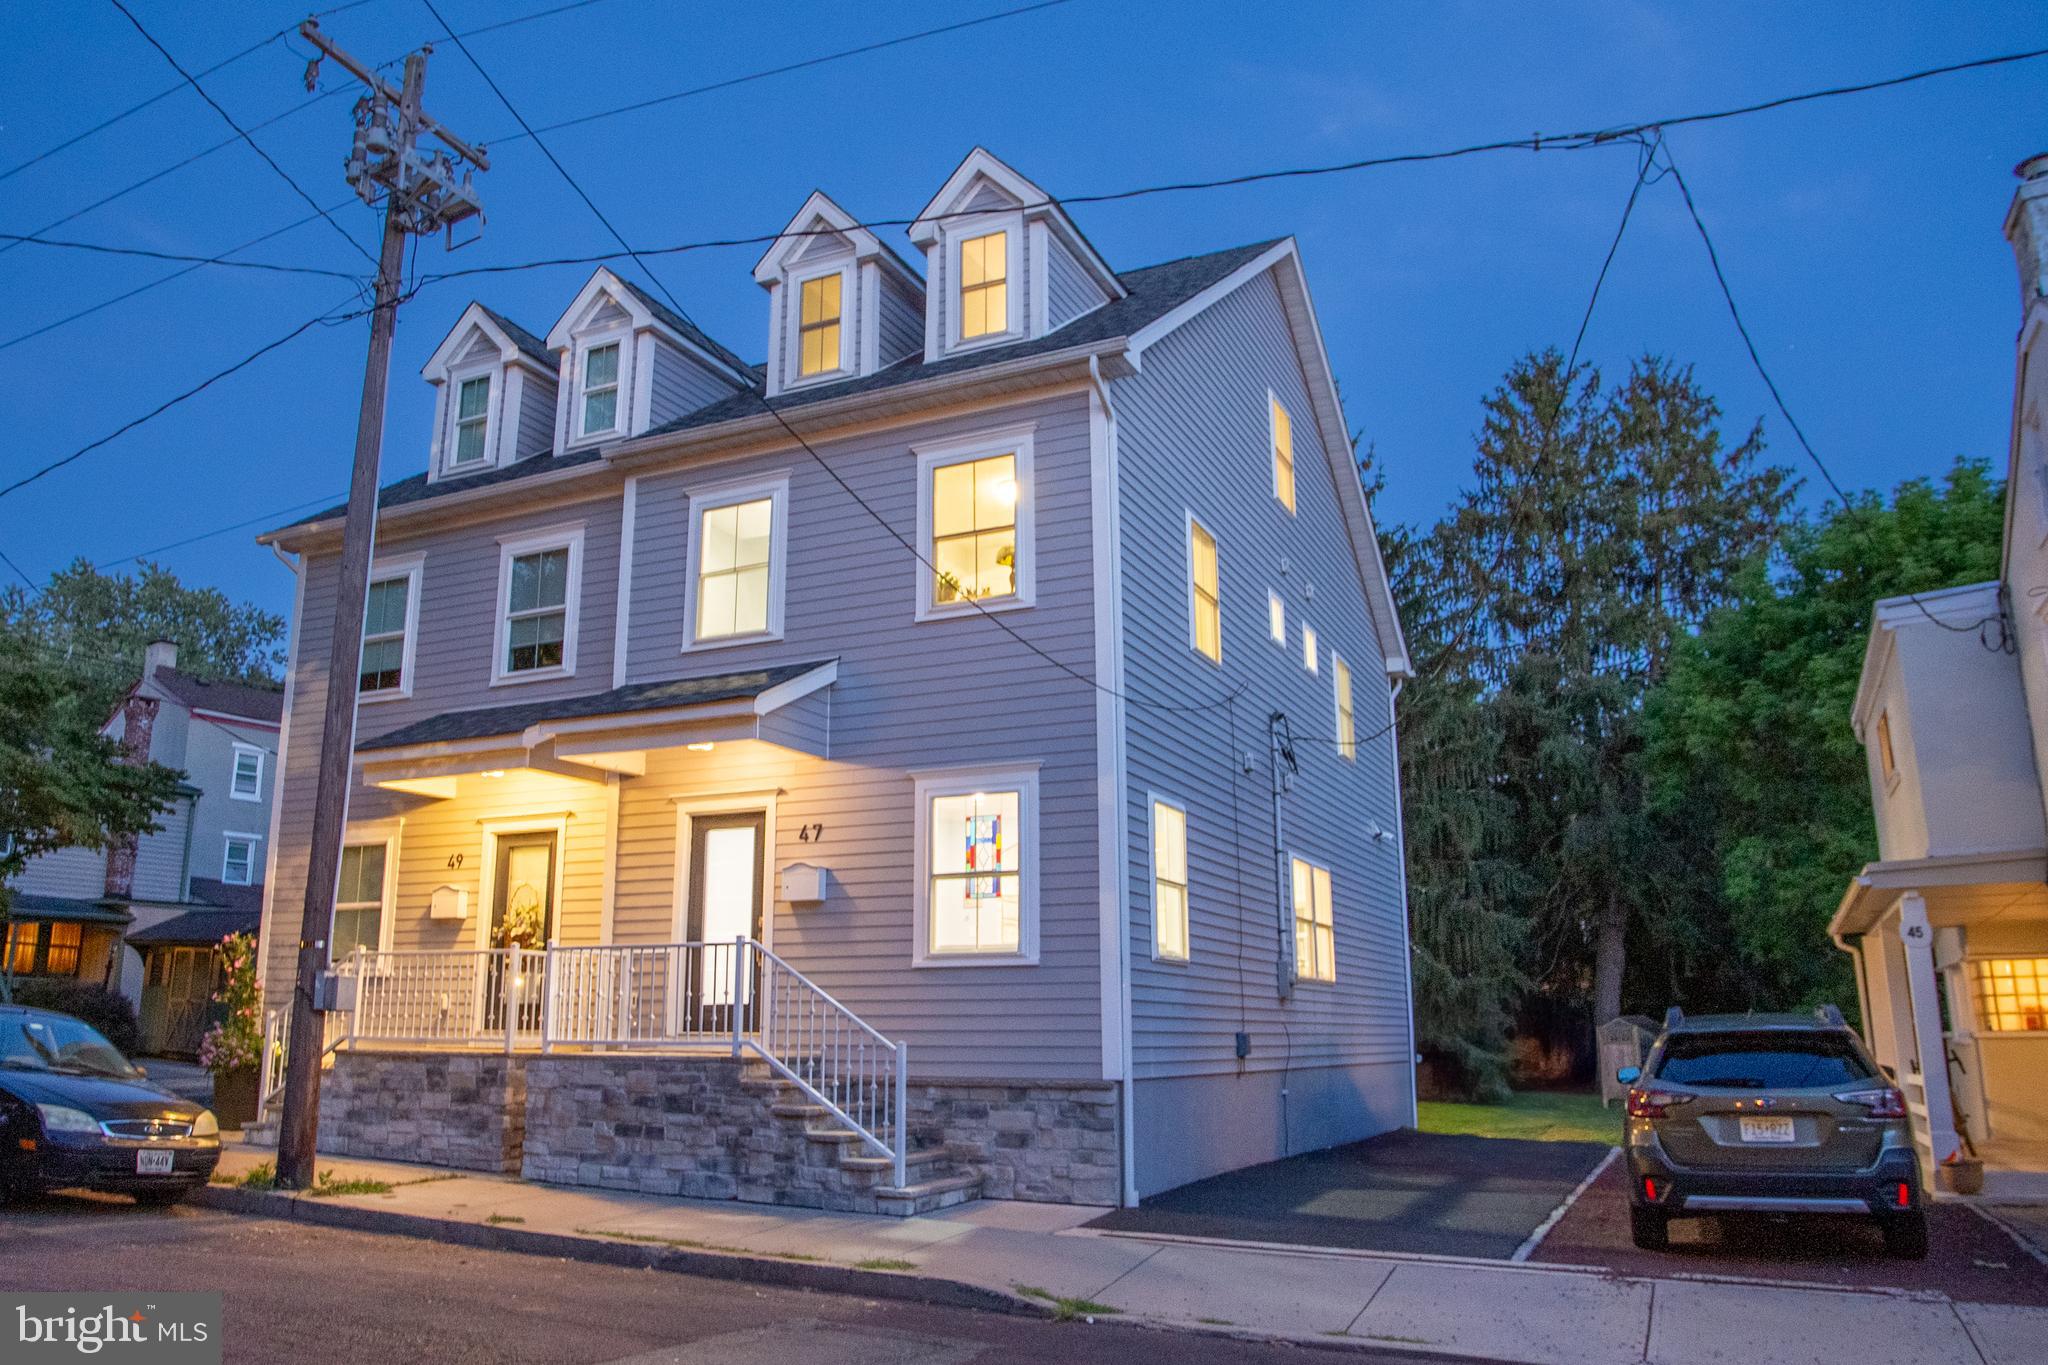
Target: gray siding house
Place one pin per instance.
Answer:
(145, 919)
(952, 758)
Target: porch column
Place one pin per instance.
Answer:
(1929, 1050)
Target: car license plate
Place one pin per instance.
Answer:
(1767, 1130)
(152, 1163)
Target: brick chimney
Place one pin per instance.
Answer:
(2026, 227)
(138, 722)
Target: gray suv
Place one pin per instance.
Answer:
(1768, 1113)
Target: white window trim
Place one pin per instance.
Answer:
(1021, 778)
(1293, 857)
(1274, 404)
(793, 307)
(1153, 801)
(569, 537)
(963, 230)
(1014, 440)
(709, 498)
(1275, 605)
(1311, 650)
(1188, 548)
(387, 835)
(1340, 669)
(494, 372)
(228, 839)
(621, 411)
(411, 568)
(235, 770)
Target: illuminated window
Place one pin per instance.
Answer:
(601, 389)
(21, 946)
(1308, 648)
(539, 578)
(238, 859)
(984, 286)
(976, 846)
(358, 901)
(1206, 604)
(974, 529)
(246, 781)
(736, 562)
(1885, 760)
(1169, 882)
(1283, 454)
(2012, 993)
(472, 418)
(1347, 721)
(818, 328)
(60, 956)
(1276, 618)
(1315, 944)
(389, 614)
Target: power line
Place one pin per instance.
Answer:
(229, 119)
(1538, 142)
(784, 70)
(330, 316)
(8, 560)
(108, 250)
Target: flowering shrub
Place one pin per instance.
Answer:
(236, 1041)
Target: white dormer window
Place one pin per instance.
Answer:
(820, 349)
(984, 285)
(472, 421)
(600, 390)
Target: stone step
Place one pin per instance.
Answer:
(925, 1196)
(797, 1108)
(933, 1161)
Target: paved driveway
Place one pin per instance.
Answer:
(1431, 1193)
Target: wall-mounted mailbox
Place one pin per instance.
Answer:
(803, 884)
(448, 902)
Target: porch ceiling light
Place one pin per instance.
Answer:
(704, 746)
(493, 772)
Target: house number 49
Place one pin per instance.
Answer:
(810, 834)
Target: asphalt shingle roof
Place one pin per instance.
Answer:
(228, 698)
(1155, 291)
(650, 696)
(196, 927)
(523, 339)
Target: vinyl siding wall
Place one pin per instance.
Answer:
(1193, 436)
(208, 760)
(1068, 290)
(680, 385)
(902, 324)
(535, 431)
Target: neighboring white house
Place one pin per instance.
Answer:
(1949, 928)
(144, 918)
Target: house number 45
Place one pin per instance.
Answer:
(810, 834)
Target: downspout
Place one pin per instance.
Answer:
(1407, 930)
(1126, 1088)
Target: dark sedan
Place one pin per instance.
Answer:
(75, 1114)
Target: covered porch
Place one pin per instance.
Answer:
(1952, 974)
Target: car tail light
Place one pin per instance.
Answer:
(1884, 1102)
(1651, 1104)
(1905, 1195)
(1650, 1188)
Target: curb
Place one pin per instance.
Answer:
(771, 1271)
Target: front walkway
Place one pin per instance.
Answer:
(1549, 1315)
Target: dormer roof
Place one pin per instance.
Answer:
(820, 228)
(646, 311)
(512, 341)
(984, 183)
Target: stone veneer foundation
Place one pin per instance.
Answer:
(709, 1128)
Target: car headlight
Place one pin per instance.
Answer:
(62, 1118)
(206, 1125)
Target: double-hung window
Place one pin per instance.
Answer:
(1169, 881)
(60, 954)
(1347, 719)
(974, 516)
(359, 900)
(984, 285)
(600, 389)
(737, 551)
(245, 783)
(1283, 454)
(1309, 656)
(1276, 618)
(472, 420)
(238, 859)
(539, 583)
(818, 330)
(1205, 602)
(1315, 935)
(390, 614)
(977, 851)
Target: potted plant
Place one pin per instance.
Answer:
(233, 1048)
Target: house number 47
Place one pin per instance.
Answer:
(810, 834)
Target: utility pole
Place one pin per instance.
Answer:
(420, 195)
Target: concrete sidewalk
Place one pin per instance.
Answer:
(996, 1252)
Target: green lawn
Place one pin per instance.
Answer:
(1543, 1116)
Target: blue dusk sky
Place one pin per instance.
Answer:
(1861, 234)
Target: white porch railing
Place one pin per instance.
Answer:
(735, 995)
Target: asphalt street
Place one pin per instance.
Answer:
(311, 1295)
